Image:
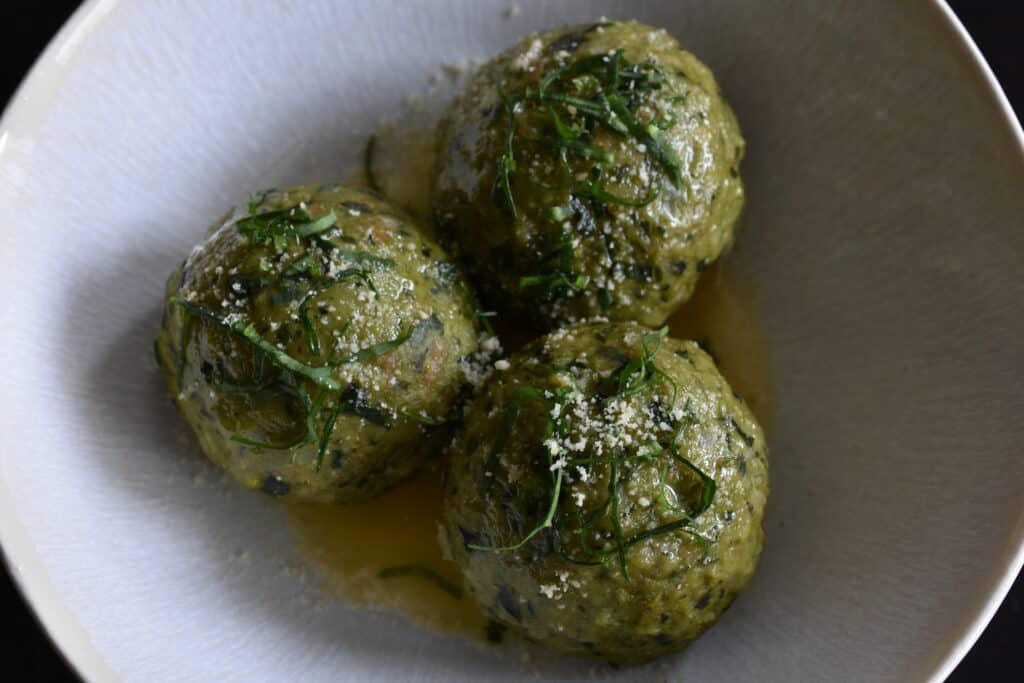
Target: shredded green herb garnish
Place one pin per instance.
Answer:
(156, 355)
(253, 205)
(556, 282)
(598, 193)
(485, 321)
(423, 418)
(282, 226)
(640, 373)
(269, 446)
(708, 487)
(312, 338)
(361, 257)
(298, 284)
(507, 424)
(422, 572)
(494, 631)
(325, 435)
(675, 525)
(355, 402)
(561, 277)
(372, 351)
(651, 136)
(260, 386)
(182, 339)
(613, 496)
(304, 265)
(553, 427)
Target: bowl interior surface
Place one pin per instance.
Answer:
(882, 236)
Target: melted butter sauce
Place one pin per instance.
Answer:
(352, 543)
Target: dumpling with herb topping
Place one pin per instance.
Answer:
(590, 170)
(606, 492)
(319, 343)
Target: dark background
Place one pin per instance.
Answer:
(996, 25)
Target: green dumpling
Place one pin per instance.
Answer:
(606, 492)
(590, 170)
(318, 343)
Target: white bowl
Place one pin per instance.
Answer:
(883, 235)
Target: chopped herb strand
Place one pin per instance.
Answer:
(283, 225)
(325, 435)
(495, 631)
(355, 402)
(594, 90)
(312, 410)
(651, 136)
(249, 390)
(312, 339)
(585, 151)
(550, 398)
(668, 527)
(507, 162)
(377, 262)
(156, 355)
(597, 90)
(322, 224)
(708, 487)
(182, 339)
(595, 191)
(613, 70)
(563, 278)
(298, 441)
(320, 376)
(565, 132)
(633, 376)
(560, 213)
(373, 351)
(613, 495)
(484, 317)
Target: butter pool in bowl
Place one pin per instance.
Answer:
(870, 309)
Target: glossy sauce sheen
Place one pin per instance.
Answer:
(352, 543)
